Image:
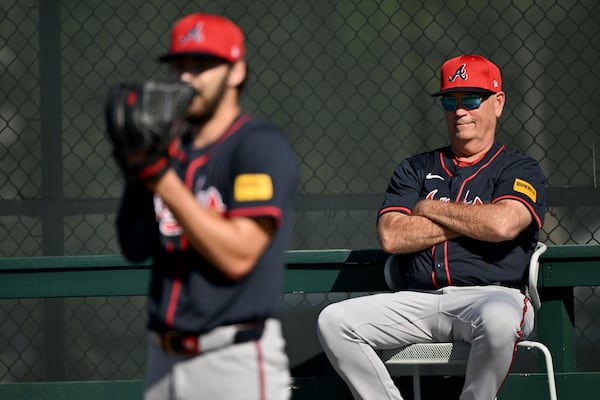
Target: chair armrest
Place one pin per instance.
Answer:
(534, 267)
(391, 271)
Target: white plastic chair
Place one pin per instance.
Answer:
(451, 358)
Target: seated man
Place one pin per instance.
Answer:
(466, 217)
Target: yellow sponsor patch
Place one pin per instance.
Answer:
(253, 187)
(526, 188)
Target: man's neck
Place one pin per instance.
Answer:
(464, 156)
(213, 129)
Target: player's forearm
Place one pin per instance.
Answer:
(401, 234)
(486, 222)
(232, 245)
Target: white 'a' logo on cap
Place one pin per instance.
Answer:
(461, 72)
(195, 34)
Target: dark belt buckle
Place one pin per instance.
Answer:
(179, 343)
(249, 332)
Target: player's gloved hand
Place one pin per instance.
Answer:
(144, 122)
(147, 166)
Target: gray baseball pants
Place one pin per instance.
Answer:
(254, 370)
(491, 318)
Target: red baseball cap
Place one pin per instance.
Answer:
(469, 73)
(205, 35)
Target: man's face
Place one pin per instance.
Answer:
(471, 117)
(210, 79)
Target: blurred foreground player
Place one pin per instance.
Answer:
(214, 212)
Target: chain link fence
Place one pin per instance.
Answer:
(349, 83)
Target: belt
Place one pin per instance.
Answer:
(188, 343)
(522, 288)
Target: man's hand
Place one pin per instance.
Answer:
(144, 123)
(420, 207)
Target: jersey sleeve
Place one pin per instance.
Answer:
(136, 224)
(264, 172)
(523, 180)
(405, 186)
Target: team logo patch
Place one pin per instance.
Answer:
(253, 187)
(526, 188)
(461, 72)
(195, 34)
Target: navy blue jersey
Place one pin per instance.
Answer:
(501, 174)
(251, 172)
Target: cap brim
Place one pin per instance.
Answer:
(461, 89)
(174, 56)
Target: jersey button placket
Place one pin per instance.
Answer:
(455, 186)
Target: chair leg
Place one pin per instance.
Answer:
(416, 383)
(549, 364)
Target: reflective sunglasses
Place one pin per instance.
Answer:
(470, 102)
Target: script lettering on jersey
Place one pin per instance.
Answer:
(431, 196)
(210, 199)
(167, 224)
(476, 200)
